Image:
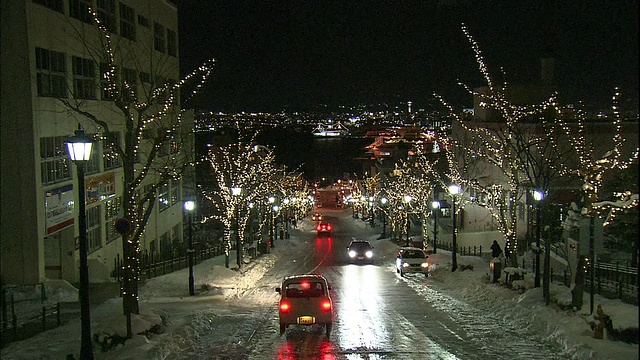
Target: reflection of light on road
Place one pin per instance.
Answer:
(361, 323)
(320, 246)
(306, 348)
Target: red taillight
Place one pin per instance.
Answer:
(326, 305)
(328, 227)
(284, 307)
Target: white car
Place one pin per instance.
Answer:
(305, 300)
(412, 260)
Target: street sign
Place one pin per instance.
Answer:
(123, 226)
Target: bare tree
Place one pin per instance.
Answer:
(142, 128)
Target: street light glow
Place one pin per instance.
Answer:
(189, 205)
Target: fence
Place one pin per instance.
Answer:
(614, 281)
(462, 250)
(152, 264)
(25, 312)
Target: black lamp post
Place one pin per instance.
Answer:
(79, 149)
(384, 202)
(454, 190)
(435, 205)
(407, 200)
(189, 206)
(235, 192)
(537, 196)
(271, 200)
(372, 221)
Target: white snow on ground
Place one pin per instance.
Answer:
(167, 297)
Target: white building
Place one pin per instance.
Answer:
(52, 51)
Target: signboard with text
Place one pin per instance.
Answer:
(59, 208)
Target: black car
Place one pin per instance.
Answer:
(360, 251)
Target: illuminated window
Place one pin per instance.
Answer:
(54, 161)
(94, 229)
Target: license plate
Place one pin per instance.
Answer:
(306, 320)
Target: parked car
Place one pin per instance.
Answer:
(324, 229)
(360, 251)
(305, 300)
(412, 260)
(316, 217)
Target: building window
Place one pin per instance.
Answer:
(51, 73)
(129, 77)
(94, 229)
(127, 22)
(93, 165)
(143, 21)
(158, 37)
(51, 4)
(107, 14)
(113, 209)
(84, 84)
(172, 43)
(54, 165)
(175, 191)
(79, 9)
(106, 85)
(110, 157)
(163, 197)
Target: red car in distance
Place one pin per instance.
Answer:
(324, 228)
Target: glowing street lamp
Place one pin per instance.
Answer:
(435, 205)
(189, 206)
(454, 190)
(537, 196)
(235, 192)
(407, 200)
(79, 149)
(383, 203)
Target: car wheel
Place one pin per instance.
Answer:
(328, 326)
(283, 328)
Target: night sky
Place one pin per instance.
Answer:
(274, 55)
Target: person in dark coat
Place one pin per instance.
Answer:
(495, 249)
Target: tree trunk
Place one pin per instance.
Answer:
(578, 290)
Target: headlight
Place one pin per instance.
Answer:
(369, 254)
(405, 265)
(425, 264)
(352, 253)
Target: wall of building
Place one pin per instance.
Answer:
(34, 247)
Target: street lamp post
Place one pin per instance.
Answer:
(454, 190)
(79, 149)
(384, 201)
(271, 200)
(537, 196)
(235, 192)
(189, 206)
(276, 210)
(435, 205)
(407, 200)
(372, 221)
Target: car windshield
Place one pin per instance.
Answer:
(304, 289)
(413, 254)
(360, 246)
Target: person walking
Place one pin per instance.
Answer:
(495, 249)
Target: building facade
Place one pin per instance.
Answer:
(53, 58)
